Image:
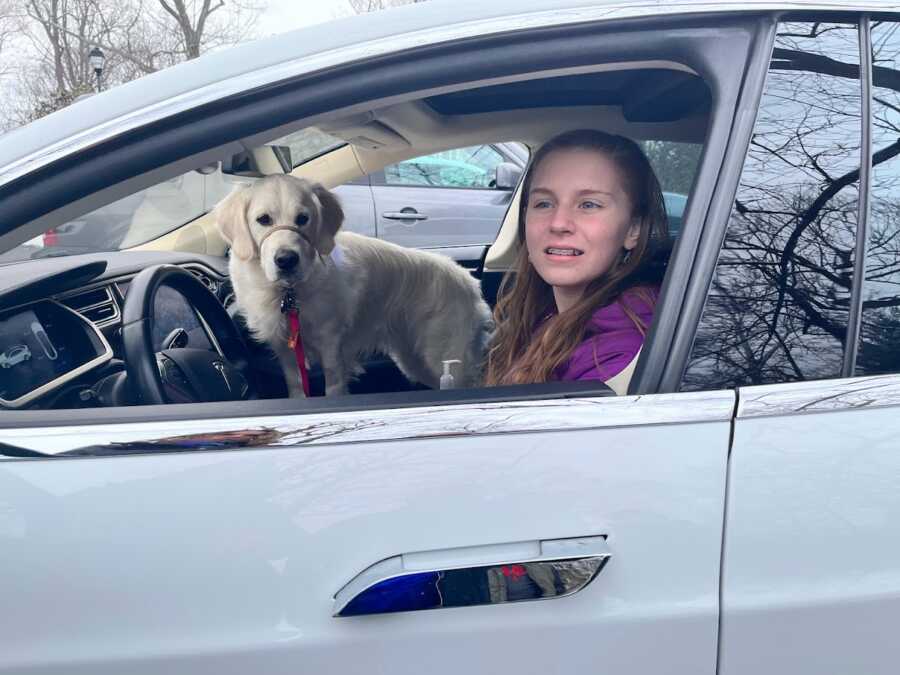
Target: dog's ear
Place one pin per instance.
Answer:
(332, 217)
(231, 219)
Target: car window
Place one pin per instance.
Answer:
(308, 144)
(157, 210)
(880, 330)
(471, 167)
(777, 309)
(675, 165)
(130, 221)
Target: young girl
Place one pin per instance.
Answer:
(581, 296)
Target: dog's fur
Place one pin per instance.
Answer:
(355, 295)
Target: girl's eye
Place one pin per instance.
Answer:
(264, 219)
(541, 204)
(301, 219)
(591, 205)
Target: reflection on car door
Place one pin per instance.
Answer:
(229, 561)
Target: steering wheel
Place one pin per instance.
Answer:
(182, 375)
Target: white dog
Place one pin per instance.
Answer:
(354, 295)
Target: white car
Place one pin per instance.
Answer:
(735, 513)
(14, 356)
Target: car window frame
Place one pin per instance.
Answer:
(712, 52)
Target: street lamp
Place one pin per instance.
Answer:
(97, 59)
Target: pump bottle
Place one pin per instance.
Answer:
(447, 377)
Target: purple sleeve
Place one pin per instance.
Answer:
(612, 342)
(602, 357)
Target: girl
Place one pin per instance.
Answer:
(582, 294)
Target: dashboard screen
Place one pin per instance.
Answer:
(39, 345)
(172, 311)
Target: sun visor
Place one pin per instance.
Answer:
(364, 131)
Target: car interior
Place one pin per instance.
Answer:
(657, 102)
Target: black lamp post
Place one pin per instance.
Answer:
(97, 59)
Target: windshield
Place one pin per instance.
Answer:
(131, 221)
(308, 143)
(158, 210)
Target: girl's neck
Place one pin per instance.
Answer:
(566, 297)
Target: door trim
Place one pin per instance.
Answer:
(771, 400)
(358, 426)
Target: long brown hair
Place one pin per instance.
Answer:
(527, 346)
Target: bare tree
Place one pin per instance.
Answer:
(136, 36)
(8, 22)
(62, 33)
(200, 29)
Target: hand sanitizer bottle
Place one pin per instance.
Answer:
(447, 378)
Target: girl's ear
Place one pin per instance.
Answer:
(633, 235)
(231, 219)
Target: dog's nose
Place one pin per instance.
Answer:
(286, 260)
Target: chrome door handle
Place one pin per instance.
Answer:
(467, 577)
(404, 215)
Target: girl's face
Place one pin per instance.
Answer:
(578, 221)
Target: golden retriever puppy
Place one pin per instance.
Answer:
(354, 295)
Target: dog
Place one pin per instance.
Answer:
(354, 295)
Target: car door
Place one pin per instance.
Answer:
(444, 199)
(358, 204)
(230, 560)
(227, 537)
(803, 313)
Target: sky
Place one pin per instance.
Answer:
(286, 15)
(278, 16)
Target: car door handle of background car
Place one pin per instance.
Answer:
(404, 215)
(479, 575)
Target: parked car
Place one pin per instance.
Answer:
(734, 514)
(438, 200)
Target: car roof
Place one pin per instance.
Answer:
(245, 67)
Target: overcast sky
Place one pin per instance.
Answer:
(285, 15)
(279, 16)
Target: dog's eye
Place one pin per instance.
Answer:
(264, 219)
(301, 219)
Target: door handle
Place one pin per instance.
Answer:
(412, 214)
(481, 575)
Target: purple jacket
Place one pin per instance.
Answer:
(611, 341)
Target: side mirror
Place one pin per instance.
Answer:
(259, 162)
(508, 175)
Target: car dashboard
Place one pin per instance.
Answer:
(60, 331)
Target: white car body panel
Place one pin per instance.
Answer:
(227, 562)
(811, 566)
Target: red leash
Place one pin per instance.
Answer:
(295, 341)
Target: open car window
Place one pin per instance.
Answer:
(469, 142)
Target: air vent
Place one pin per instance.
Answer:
(97, 306)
